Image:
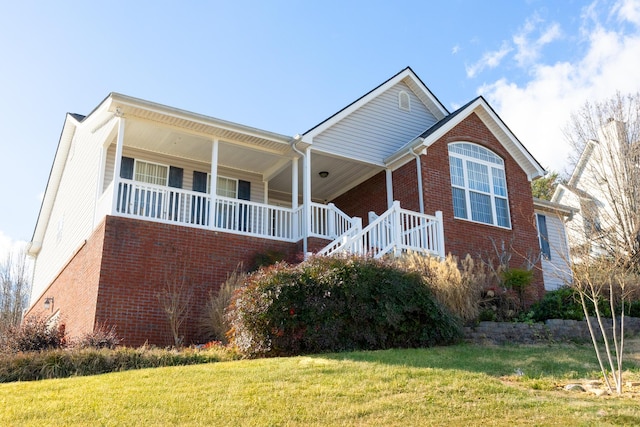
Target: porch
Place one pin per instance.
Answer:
(173, 167)
(397, 230)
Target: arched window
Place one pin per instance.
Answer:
(478, 184)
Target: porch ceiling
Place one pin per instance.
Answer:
(343, 175)
(244, 152)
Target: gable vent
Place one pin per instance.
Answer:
(404, 102)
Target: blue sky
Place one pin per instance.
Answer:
(284, 66)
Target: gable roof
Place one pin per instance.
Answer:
(407, 75)
(487, 114)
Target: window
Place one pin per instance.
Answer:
(151, 173)
(543, 236)
(478, 184)
(226, 187)
(404, 101)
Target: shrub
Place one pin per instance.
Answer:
(561, 303)
(336, 304)
(213, 323)
(62, 363)
(632, 309)
(101, 337)
(456, 285)
(36, 333)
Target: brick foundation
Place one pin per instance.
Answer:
(115, 278)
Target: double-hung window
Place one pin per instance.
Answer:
(151, 173)
(478, 184)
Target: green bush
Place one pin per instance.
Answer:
(563, 303)
(336, 304)
(632, 309)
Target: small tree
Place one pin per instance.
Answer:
(175, 299)
(606, 241)
(601, 282)
(543, 188)
(14, 289)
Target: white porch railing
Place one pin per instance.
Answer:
(177, 206)
(396, 230)
(328, 222)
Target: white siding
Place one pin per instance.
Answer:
(377, 129)
(71, 220)
(556, 271)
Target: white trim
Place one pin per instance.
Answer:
(532, 168)
(464, 159)
(135, 168)
(118, 162)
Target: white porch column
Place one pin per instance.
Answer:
(117, 164)
(419, 176)
(440, 220)
(214, 182)
(306, 197)
(294, 195)
(265, 188)
(389, 188)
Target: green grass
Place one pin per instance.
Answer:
(459, 385)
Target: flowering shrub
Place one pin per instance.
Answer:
(336, 304)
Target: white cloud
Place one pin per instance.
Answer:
(539, 109)
(528, 51)
(455, 49)
(489, 60)
(628, 10)
(8, 245)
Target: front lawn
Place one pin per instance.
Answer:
(458, 385)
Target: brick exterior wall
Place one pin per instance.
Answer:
(462, 237)
(115, 277)
(140, 257)
(75, 289)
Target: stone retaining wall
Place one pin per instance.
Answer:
(552, 330)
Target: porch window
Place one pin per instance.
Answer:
(151, 173)
(478, 184)
(226, 187)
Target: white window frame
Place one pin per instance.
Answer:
(490, 162)
(135, 172)
(218, 186)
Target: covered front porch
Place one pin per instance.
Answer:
(178, 168)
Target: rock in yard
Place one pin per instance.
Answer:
(574, 387)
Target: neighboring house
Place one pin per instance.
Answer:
(554, 246)
(598, 192)
(143, 198)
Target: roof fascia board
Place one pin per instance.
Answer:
(533, 169)
(582, 162)
(197, 118)
(555, 207)
(53, 183)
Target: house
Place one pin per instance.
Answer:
(143, 197)
(603, 192)
(554, 244)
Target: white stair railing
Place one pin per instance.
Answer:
(397, 230)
